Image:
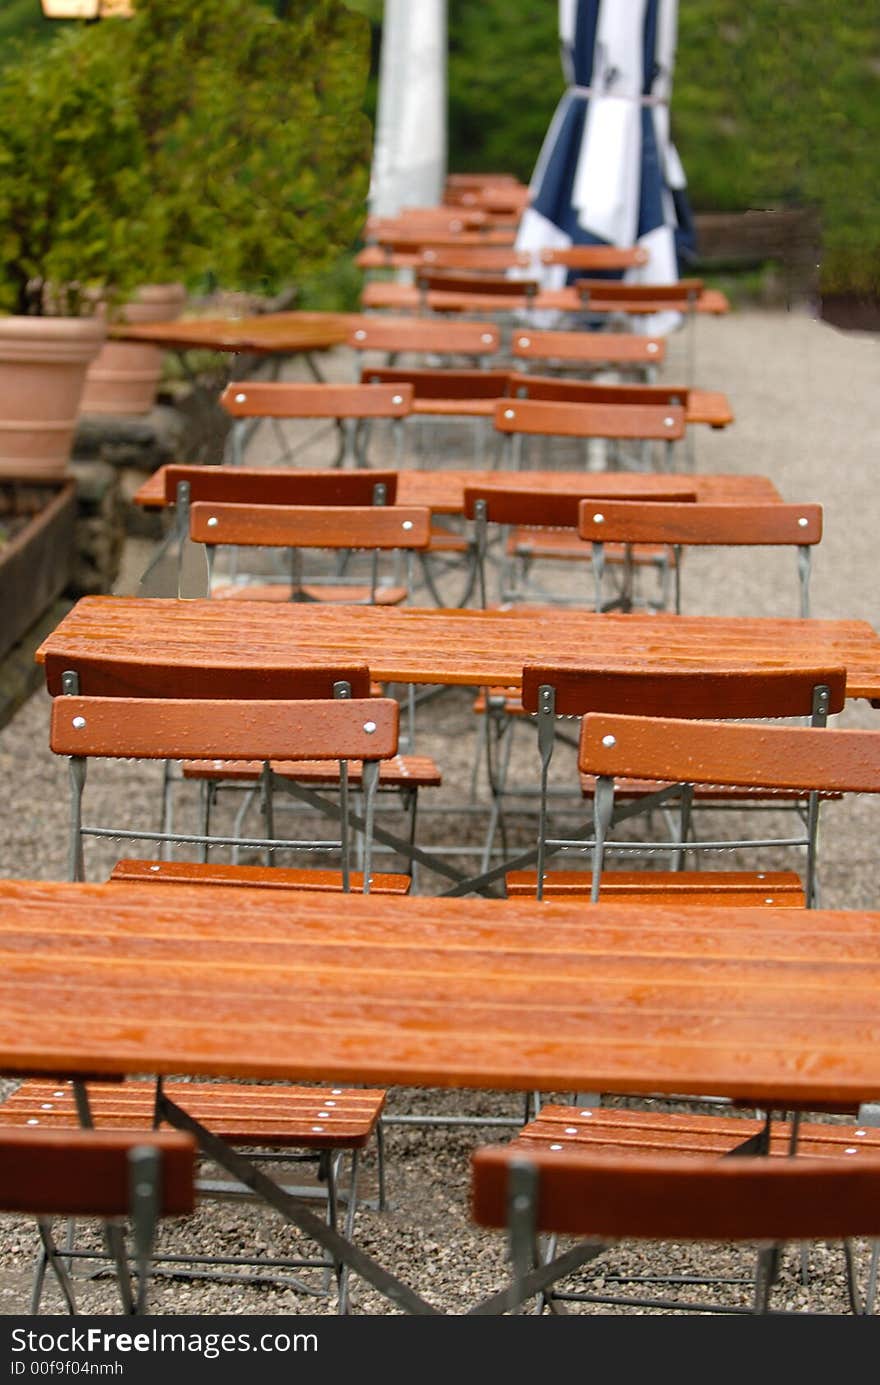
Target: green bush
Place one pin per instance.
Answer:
(208, 142)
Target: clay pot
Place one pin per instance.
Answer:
(125, 376)
(43, 363)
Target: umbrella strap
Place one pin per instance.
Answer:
(640, 99)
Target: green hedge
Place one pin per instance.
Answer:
(776, 102)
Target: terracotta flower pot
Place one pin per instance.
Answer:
(125, 376)
(43, 363)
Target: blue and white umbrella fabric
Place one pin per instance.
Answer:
(608, 173)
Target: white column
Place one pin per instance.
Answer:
(409, 154)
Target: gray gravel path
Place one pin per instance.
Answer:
(808, 415)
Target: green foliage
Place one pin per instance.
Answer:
(195, 141)
(72, 178)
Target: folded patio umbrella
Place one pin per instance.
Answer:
(608, 173)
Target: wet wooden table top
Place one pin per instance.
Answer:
(781, 1005)
(269, 333)
(443, 491)
(414, 645)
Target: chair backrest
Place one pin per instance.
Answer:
(338, 730)
(380, 527)
(599, 257)
(474, 257)
(407, 236)
(277, 486)
(442, 384)
(417, 335)
(714, 752)
(570, 391)
(500, 502)
(556, 419)
(701, 524)
(654, 1197)
(89, 1173)
(588, 348)
(684, 292)
(734, 693)
(159, 677)
(228, 728)
(276, 399)
(466, 282)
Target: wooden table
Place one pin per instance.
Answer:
(773, 1007)
(164, 638)
(261, 334)
(443, 491)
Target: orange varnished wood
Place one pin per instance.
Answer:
(225, 677)
(278, 399)
(674, 1197)
(501, 298)
(87, 1172)
(618, 292)
(199, 729)
(430, 277)
(489, 258)
(637, 521)
(310, 1117)
(476, 648)
(405, 334)
(642, 693)
(109, 979)
(588, 347)
(556, 419)
(515, 504)
(755, 888)
(419, 771)
(442, 384)
(596, 256)
(412, 237)
(311, 526)
(268, 333)
(618, 1131)
(700, 406)
(788, 757)
(443, 491)
(254, 877)
(238, 485)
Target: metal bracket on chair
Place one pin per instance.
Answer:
(144, 1186)
(522, 1197)
(546, 738)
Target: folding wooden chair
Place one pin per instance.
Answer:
(625, 353)
(637, 522)
(287, 733)
(695, 696)
(398, 530)
(179, 566)
(565, 1187)
(90, 1173)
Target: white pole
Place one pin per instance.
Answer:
(409, 155)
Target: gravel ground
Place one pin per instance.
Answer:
(808, 415)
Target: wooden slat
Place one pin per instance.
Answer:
(787, 757)
(666, 1197)
(313, 677)
(641, 693)
(311, 526)
(550, 418)
(402, 770)
(588, 347)
(278, 399)
(386, 334)
(637, 521)
(596, 256)
(476, 648)
(198, 729)
(238, 485)
(87, 1172)
(515, 504)
(107, 979)
(442, 384)
(751, 888)
(269, 333)
(308, 1117)
(259, 877)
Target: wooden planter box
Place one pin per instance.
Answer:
(36, 563)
